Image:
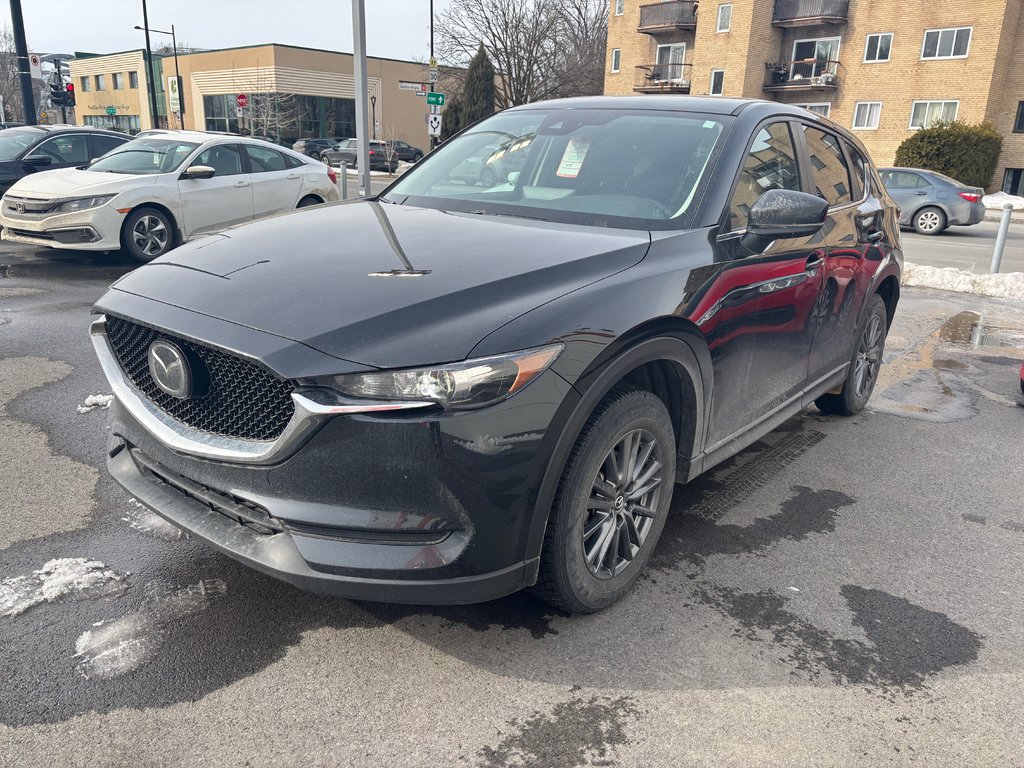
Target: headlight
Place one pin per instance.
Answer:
(471, 384)
(83, 203)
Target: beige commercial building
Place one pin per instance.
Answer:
(880, 67)
(292, 93)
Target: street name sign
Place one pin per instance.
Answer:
(435, 99)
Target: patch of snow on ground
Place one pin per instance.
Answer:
(999, 199)
(95, 401)
(140, 518)
(74, 577)
(112, 648)
(1006, 285)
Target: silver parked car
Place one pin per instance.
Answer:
(929, 201)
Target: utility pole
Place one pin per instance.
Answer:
(24, 72)
(362, 128)
(149, 68)
(433, 139)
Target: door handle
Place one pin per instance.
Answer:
(813, 263)
(293, 176)
(877, 236)
(240, 184)
(920, 192)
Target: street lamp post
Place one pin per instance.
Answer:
(177, 77)
(149, 67)
(373, 107)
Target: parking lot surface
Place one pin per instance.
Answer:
(843, 592)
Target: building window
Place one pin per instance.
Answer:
(133, 79)
(670, 65)
(923, 114)
(118, 78)
(101, 82)
(949, 43)
(1013, 181)
(86, 84)
(717, 82)
(616, 59)
(878, 47)
(123, 123)
(815, 58)
(866, 114)
(620, 7)
(724, 17)
(1018, 124)
(820, 108)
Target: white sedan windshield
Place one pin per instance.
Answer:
(148, 155)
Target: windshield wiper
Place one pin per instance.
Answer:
(508, 215)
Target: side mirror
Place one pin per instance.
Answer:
(783, 213)
(199, 172)
(37, 161)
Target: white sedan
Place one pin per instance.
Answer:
(155, 192)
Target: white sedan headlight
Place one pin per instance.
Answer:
(83, 203)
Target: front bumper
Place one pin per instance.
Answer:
(97, 229)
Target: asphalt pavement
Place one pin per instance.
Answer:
(967, 248)
(843, 592)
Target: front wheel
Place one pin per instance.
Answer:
(417, 157)
(867, 361)
(611, 503)
(147, 234)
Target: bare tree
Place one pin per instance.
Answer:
(270, 114)
(10, 85)
(540, 48)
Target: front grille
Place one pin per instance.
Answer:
(28, 205)
(243, 399)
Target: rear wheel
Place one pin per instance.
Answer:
(867, 360)
(929, 221)
(417, 157)
(611, 503)
(308, 201)
(147, 234)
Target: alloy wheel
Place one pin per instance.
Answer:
(928, 221)
(150, 235)
(869, 357)
(622, 503)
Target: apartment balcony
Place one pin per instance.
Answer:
(806, 75)
(669, 16)
(662, 78)
(808, 13)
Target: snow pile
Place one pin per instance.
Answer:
(73, 577)
(113, 648)
(1007, 285)
(95, 401)
(999, 199)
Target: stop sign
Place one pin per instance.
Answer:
(242, 100)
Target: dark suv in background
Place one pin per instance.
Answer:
(382, 157)
(452, 391)
(314, 147)
(29, 149)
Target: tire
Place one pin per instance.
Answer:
(417, 157)
(630, 420)
(488, 177)
(864, 366)
(929, 221)
(324, 159)
(307, 201)
(147, 233)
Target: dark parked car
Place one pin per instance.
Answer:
(492, 163)
(381, 159)
(406, 152)
(929, 201)
(29, 149)
(447, 393)
(314, 147)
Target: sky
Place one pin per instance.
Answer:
(398, 29)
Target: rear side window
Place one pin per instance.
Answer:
(770, 164)
(903, 180)
(291, 162)
(859, 170)
(828, 165)
(103, 144)
(265, 160)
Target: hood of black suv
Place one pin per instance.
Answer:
(384, 285)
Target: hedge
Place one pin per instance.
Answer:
(967, 153)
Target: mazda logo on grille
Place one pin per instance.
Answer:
(170, 370)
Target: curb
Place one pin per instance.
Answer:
(995, 214)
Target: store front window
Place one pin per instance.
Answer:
(282, 117)
(123, 123)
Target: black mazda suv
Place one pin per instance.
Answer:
(454, 390)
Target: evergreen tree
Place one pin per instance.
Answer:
(451, 119)
(478, 95)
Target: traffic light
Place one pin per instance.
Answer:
(69, 95)
(57, 95)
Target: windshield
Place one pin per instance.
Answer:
(147, 155)
(629, 168)
(14, 141)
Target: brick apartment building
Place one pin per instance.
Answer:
(880, 67)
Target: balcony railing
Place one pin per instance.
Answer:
(805, 75)
(662, 17)
(662, 78)
(801, 13)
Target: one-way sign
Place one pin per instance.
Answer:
(434, 125)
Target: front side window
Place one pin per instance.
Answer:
(866, 115)
(145, 156)
(717, 82)
(770, 164)
(924, 114)
(225, 159)
(14, 141)
(634, 168)
(724, 17)
(616, 59)
(878, 47)
(831, 176)
(951, 43)
(69, 148)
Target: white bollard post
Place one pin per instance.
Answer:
(1004, 228)
(344, 180)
